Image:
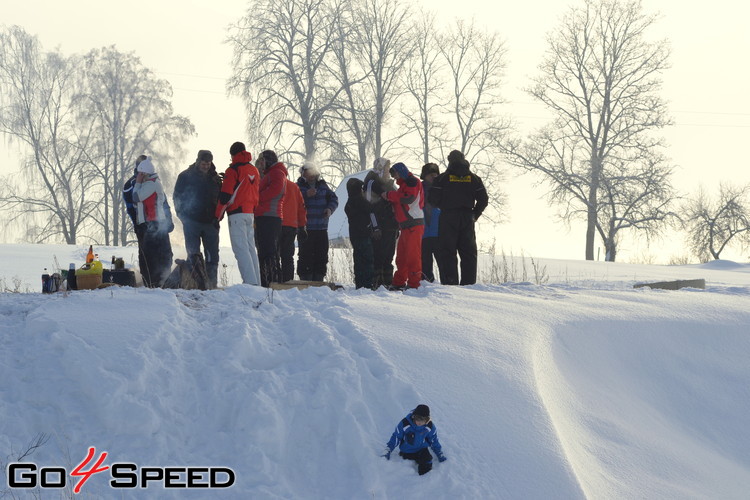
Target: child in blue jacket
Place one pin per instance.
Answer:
(413, 435)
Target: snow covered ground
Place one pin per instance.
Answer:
(581, 387)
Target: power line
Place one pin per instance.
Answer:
(721, 113)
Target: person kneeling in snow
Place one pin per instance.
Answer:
(413, 435)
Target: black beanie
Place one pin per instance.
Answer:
(205, 155)
(236, 148)
(429, 168)
(422, 411)
(269, 157)
(455, 155)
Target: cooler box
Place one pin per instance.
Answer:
(123, 277)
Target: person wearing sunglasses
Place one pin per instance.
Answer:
(414, 434)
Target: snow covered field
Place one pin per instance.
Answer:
(579, 388)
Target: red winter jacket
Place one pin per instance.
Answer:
(239, 191)
(408, 202)
(294, 206)
(272, 189)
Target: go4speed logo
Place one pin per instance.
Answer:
(122, 475)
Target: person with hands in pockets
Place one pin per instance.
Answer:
(414, 434)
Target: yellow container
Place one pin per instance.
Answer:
(89, 276)
(92, 268)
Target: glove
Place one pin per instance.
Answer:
(301, 234)
(441, 457)
(387, 453)
(377, 234)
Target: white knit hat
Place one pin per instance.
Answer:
(146, 166)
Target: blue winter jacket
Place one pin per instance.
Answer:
(411, 437)
(431, 214)
(316, 205)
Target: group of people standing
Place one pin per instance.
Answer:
(418, 220)
(265, 211)
(390, 212)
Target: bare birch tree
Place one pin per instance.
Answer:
(372, 49)
(384, 36)
(281, 69)
(601, 79)
(424, 82)
(352, 123)
(131, 111)
(476, 62)
(637, 194)
(713, 225)
(37, 111)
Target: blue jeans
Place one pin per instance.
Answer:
(195, 232)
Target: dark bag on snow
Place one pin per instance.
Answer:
(188, 274)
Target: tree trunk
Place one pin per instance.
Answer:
(610, 247)
(593, 203)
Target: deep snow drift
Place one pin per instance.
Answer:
(582, 387)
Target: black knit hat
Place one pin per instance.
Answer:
(205, 155)
(455, 155)
(236, 148)
(269, 157)
(429, 168)
(421, 411)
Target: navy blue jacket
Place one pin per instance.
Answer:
(411, 437)
(316, 205)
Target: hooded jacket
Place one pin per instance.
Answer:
(271, 191)
(294, 206)
(459, 189)
(239, 191)
(196, 194)
(408, 202)
(411, 438)
(149, 198)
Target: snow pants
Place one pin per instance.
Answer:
(409, 257)
(313, 256)
(456, 234)
(195, 232)
(285, 256)
(423, 459)
(242, 236)
(363, 261)
(157, 254)
(383, 250)
(268, 231)
(429, 249)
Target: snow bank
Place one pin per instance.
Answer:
(569, 390)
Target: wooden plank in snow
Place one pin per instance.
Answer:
(674, 285)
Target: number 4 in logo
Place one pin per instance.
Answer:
(86, 474)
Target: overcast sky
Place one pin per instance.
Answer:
(707, 86)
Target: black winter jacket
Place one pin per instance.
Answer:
(196, 194)
(374, 186)
(359, 211)
(459, 189)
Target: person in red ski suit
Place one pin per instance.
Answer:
(408, 204)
